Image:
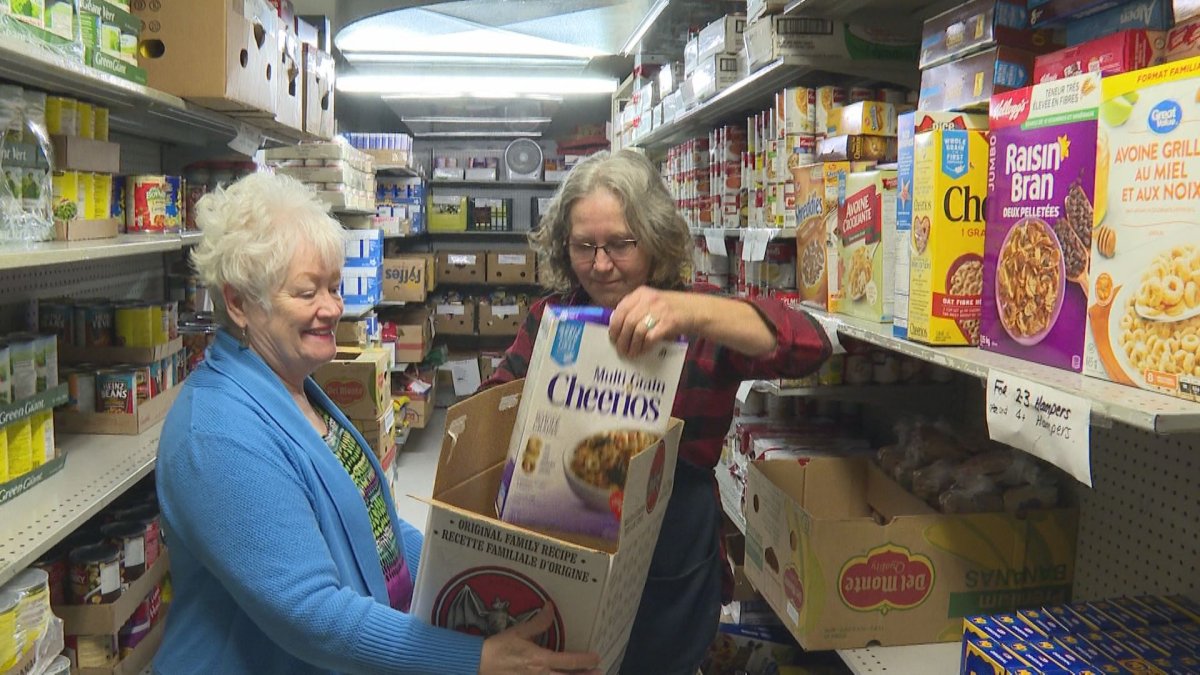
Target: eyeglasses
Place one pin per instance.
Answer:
(618, 250)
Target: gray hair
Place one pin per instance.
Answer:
(661, 232)
(252, 229)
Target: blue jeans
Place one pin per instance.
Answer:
(681, 604)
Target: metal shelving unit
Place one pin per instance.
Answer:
(940, 659)
(498, 184)
(873, 12)
(851, 392)
(35, 254)
(98, 470)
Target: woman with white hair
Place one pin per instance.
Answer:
(287, 555)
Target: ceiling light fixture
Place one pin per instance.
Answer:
(456, 86)
(477, 134)
(518, 60)
(476, 120)
(635, 38)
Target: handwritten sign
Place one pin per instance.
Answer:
(1043, 421)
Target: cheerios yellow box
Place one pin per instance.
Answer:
(866, 245)
(1144, 312)
(949, 192)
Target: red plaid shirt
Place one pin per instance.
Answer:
(711, 374)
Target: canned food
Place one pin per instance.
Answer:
(117, 202)
(170, 319)
(174, 189)
(10, 605)
(6, 395)
(54, 564)
(145, 384)
(134, 325)
(19, 437)
(147, 209)
(196, 338)
(116, 391)
(58, 317)
(130, 537)
(168, 367)
(194, 193)
(32, 587)
(101, 196)
(46, 361)
(41, 433)
(101, 123)
(95, 574)
(85, 116)
(4, 475)
(158, 329)
(87, 186)
(156, 378)
(62, 115)
(22, 353)
(98, 322)
(81, 388)
(147, 516)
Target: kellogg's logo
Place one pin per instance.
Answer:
(345, 391)
(888, 577)
(1165, 117)
(486, 601)
(1009, 109)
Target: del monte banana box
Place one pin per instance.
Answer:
(839, 579)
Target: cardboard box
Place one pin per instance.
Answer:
(380, 433)
(1183, 42)
(362, 286)
(461, 267)
(319, 79)
(857, 149)
(839, 579)
(1056, 12)
(358, 381)
(1146, 231)
(472, 559)
(501, 319)
(713, 75)
(813, 212)
(970, 82)
(723, 36)
(72, 153)
(949, 193)
(81, 229)
(867, 243)
(980, 24)
(455, 319)
(141, 656)
(447, 213)
(408, 278)
(108, 618)
(231, 69)
(755, 9)
(1110, 55)
(1153, 15)
(796, 109)
(511, 268)
(827, 100)
(289, 79)
(413, 333)
(1041, 196)
(420, 405)
(351, 333)
(106, 355)
(779, 36)
(148, 413)
(865, 118)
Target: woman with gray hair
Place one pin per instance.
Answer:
(287, 555)
(612, 237)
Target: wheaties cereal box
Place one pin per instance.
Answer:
(584, 412)
(949, 194)
(866, 239)
(479, 575)
(1041, 180)
(813, 211)
(1144, 319)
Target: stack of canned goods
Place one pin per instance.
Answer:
(28, 365)
(198, 333)
(153, 204)
(24, 614)
(101, 322)
(122, 387)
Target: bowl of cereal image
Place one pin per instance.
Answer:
(1030, 281)
(597, 466)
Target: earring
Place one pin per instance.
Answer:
(244, 339)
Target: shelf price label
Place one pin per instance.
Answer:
(715, 238)
(1043, 421)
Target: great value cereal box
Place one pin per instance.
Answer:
(1144, 318)
(584, 412)
(1041, 180)
(949, 196)
(866, 241)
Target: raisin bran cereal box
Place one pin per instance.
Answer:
(866, 240)
(584, 412)
(1041, 180)
(1144, 319)
(949, 195)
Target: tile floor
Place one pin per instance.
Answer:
(416, 464)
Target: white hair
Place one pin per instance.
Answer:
(251, 231)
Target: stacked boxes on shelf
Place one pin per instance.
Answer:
(390, 151)
(362, 274)
(400, 205)
(29, 390)
(770, 37)
(343, 176)
(359, 381)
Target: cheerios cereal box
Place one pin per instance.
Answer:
(1041, 180)
(945, 242)
(866, 245)
(1144, 318)
(584, 412)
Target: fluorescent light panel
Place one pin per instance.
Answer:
(419, 86)
(480, 134)
(476, 120)
(506, 60)
(644, 27)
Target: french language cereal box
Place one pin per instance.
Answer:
(1144, 318)
(949, 195)
(866, 241)
(584, 412)
(1041, 180)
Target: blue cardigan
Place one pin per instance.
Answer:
(273, 562)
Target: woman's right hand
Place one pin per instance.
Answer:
(513, 651)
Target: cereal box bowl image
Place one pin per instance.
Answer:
(1030, 281)
(596, 468)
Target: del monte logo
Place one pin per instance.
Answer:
(887, 577)
(345, 391)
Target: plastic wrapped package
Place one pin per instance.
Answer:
(1030, 498)
(977, 493)
(929, 482)
(25, 191)
(991, 463)
(889, 458)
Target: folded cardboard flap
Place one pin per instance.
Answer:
(825, 487)
(469, 450)
(889, 499)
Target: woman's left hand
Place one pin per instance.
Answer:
(648, 315)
